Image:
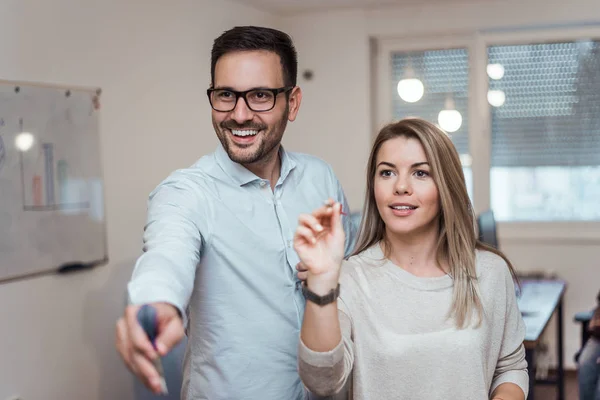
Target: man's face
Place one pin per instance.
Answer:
(247, 136)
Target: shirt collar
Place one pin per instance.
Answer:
(243, 176)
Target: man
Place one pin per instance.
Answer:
(218, 255)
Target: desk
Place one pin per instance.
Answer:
(538, 300)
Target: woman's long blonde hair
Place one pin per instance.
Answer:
(457, 239)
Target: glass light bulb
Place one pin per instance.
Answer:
(450, 120)
(410, 90)
(496, 98)
(495, 71)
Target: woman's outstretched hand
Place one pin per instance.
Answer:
(319, 242)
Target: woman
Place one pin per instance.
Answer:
(425, 311)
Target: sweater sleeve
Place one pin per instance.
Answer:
(326, 373)
(511, 365)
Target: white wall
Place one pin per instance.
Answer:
(333, 121)
(336, 121)
(151, 57)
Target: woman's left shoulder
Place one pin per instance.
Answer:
(491, 266)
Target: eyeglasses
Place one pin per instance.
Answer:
(257, 100)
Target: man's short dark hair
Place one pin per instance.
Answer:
(247, 38)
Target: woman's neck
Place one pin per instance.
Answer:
(415, 253)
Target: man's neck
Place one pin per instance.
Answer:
(268, 168)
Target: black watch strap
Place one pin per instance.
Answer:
(320, 300)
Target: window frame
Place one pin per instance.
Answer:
(479, 111)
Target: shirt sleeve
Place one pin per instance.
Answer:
(172, 248)
(512, 365)
(326, 373)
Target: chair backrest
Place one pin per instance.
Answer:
(486, 225)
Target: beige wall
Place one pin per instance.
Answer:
(335, 120)
(151, 57)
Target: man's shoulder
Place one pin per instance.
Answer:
(194, 176)
(309, 162)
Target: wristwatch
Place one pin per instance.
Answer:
(320, 300)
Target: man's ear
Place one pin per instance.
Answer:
(294, 103)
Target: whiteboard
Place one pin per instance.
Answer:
(51, 186)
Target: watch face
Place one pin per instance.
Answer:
(321, 300)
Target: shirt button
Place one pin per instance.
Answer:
(263, 183)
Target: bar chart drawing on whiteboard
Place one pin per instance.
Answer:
(47, 184)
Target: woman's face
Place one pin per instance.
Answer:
(406, 195)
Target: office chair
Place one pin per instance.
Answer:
(486, 225)
(583, 318)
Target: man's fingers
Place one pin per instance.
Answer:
(145, 371)
(122, 342)
(136, 361)
(170, 335)
(138, 338)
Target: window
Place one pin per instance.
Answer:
(530, 106)
(545, 131)
(444, 85)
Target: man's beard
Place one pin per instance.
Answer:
(271, 138)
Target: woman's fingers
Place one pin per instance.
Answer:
(305, 233)
(323, 214)
(336, 217)
(302, 271)
(311, 221)
(311, 227)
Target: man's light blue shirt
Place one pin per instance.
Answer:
(218, 244)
